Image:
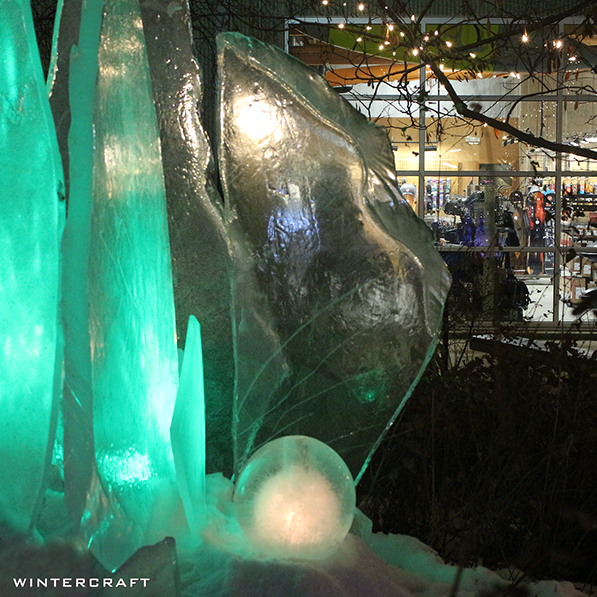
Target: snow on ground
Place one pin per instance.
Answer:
(366, 565)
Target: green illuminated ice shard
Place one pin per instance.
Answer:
(72, 101)
(134, 361)
(121, 364)
(188, 430)
(31, 217)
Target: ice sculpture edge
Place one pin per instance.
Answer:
(332, 267)
(31, 223)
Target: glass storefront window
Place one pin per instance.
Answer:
(579, 121)
(499, 85)
(452, 144)
(404, 137)
(530, 240)
(518, 223)
(494, 211)
(579, 81)
(579, 212)
(578, 274)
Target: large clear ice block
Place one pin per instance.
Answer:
(200, 255)
(338, 292)
(31, 218)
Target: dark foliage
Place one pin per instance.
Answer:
(44, 13)
(493, 463)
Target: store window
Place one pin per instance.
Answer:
(516, 224)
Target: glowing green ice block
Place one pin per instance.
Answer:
(30, 229)
(188, 430)
(134, 362)
(76, 79)
(121, 364)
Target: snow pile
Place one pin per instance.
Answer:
(366, 565)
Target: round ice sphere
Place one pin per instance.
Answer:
(295, 498)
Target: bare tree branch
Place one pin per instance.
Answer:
(506, 127)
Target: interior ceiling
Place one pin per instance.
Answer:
(342, 66)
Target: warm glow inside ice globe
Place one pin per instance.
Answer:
(295, 498)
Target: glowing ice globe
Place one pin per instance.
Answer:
(295, 498)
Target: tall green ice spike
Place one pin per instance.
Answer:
(76, 82)
(30, 228)
(89, 500)
(188, 430)
(134, 361)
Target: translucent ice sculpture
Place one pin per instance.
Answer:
(31, 219)
(122, 363)
(187, 431)
(198, 241)
(76, 141)
(338, 291)
(295, 498)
